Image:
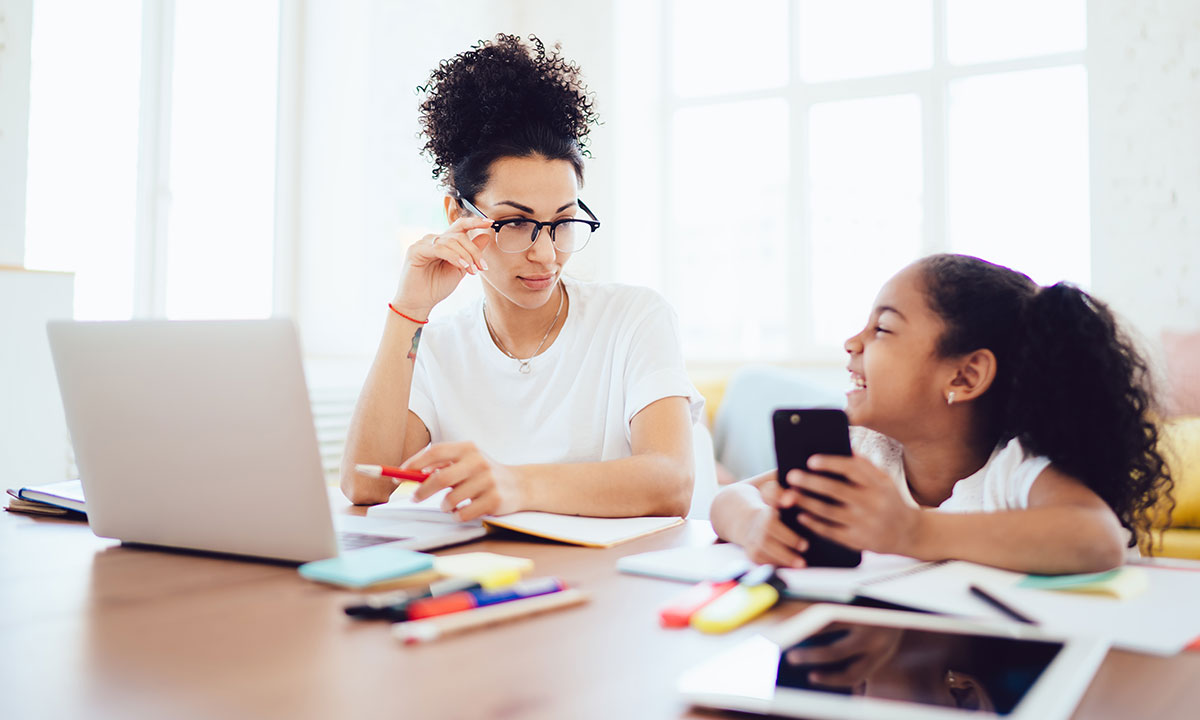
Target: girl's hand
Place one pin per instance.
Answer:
(763, 535)
(491, 488)
(866, 512)
(435, 264)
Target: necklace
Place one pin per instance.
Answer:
(524, 366)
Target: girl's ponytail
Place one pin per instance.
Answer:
(1069, 385)
(1080, 395)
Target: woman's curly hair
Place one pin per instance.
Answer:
(1069, 384)
(503, 97)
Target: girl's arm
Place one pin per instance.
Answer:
(747, 513)
(656, 480)
(1066, 528)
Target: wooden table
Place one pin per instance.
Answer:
(91, 629)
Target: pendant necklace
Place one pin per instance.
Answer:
(524, 366)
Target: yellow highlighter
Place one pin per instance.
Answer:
(755, 593)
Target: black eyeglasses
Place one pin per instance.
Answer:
(515, 235)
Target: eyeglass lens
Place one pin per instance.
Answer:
(568, 236)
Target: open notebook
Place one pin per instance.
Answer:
(571, 529)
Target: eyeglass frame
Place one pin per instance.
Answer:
(594, 224)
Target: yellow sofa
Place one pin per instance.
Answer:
(1180, 440)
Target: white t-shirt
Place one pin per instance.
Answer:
(617, 352)
(1003, 483)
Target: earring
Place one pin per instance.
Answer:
(950, 398)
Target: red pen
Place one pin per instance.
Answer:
(392, 472)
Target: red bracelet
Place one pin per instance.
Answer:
(419, 322)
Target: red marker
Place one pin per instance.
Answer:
(392, 472)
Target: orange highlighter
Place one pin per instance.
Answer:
(755, 593)
(678, 612)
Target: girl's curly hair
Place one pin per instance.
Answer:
(1069, 384)
(503, 98)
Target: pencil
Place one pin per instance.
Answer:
(1002, 606)
(419, 631)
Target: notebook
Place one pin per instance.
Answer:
(66, 494)
(571, 529)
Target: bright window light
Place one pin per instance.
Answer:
(842, 39)
(987, 30)
(81, 201)
(728, 227)
(1018, 171)
(866, 207)
(222, 180)
(721, 47)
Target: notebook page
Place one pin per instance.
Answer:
(841, 584)
(589, 531)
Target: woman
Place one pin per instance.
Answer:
(549, 394)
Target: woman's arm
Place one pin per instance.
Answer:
(378, 433)
(382, 429)
(655, 480)
(1067, 528)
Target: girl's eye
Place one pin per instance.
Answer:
(879, 329)
(518, 224)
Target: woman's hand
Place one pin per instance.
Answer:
(763, 535)
(850, 657)
(866, 512)
(491, 488)
(435, 264)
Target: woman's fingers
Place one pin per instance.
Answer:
(485, 504)
(470, 487)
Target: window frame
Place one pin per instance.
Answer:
(931, 87)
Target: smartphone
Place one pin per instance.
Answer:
(799, 434)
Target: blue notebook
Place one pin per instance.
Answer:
(367, 566)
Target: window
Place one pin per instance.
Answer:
(814, 147)
(152, 155)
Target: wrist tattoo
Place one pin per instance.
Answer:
(412, 352)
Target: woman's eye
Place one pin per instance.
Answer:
(518, 224)
(879, 329)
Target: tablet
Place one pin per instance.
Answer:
(837, 661)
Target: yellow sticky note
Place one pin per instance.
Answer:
(490, 569)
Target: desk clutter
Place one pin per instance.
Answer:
(442, 595)
(1147, 606)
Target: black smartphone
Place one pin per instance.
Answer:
(799, 434)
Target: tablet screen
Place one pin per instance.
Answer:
(971, 672)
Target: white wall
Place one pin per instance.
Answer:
(1144, 87)
(16, 32)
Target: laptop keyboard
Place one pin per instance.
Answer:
(355, 540)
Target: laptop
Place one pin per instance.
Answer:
(199, 435)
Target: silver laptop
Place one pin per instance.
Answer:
(199, 435)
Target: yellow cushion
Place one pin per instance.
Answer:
(1181, 443)
(713, 390)
(1182, 543)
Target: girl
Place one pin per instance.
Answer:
(549, 394)
(1017, 411)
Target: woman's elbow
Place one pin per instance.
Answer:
(358, 493)
(677, 500)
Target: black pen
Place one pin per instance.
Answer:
(1002, 606)
(394, 606)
